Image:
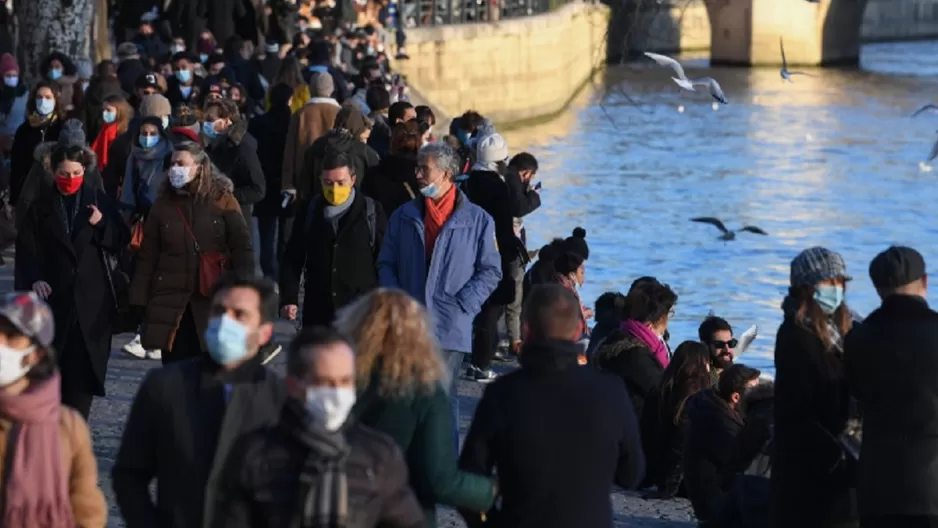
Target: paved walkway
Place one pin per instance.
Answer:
(126, 372)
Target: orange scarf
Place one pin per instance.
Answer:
(103, 142)
(437, 215)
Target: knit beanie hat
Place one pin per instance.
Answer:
(577, 243)
(815, 265)
(155, 105)
(72, 134)
(8, 64)
(492, 149)
(350, 118)
(321, 84)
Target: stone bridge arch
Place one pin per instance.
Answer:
(747, 32)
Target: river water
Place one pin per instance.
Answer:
(830, 160)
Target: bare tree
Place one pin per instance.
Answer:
(45, 26)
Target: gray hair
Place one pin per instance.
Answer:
(444, 155)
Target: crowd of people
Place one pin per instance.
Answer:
(192, 197)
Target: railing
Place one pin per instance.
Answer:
(418, 13)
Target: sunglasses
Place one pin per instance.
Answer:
(725, 344)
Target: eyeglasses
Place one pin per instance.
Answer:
(423, 169)
(725, 344)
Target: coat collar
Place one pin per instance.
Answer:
(549, 355)
(902, 306)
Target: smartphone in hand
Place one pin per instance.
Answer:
(537, 186)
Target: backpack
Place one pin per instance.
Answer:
(370, 216)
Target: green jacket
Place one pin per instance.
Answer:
(422, 425)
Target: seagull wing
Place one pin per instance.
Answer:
(712, 221)
(754, 229)
(713, 86)
(667, 62)
(934, 152)
(926, 108)
(746, 339)
(781, 48)
(800, 73)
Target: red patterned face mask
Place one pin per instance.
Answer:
(67, 185)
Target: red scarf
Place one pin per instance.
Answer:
(437, 215)
(103, 142)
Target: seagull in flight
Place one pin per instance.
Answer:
(727, 234)
(934, 152)
(927, 108)
(713, 87)
(785, 73)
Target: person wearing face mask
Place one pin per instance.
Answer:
(889, 359)
(58, 68)
(229, 391)
(146, 171)
(307, 125)
(49, 467)
(440, 248)
(234, 151)
(336, 249)
(812, 484)
(115, 116)
(637, 352)
(62, 261)
(238, 53)
(43, 124)
(349, 136)
(318, 466)
(13, 97)
(195, 214)
(183, 87)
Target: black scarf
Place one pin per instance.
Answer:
(323, 481)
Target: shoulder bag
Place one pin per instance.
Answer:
(212, 264)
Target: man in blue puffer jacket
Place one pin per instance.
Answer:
(440, 248)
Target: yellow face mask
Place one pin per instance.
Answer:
(336, 194)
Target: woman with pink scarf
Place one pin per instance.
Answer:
(49, 472)
(637, 352)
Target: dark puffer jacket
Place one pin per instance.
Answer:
(166, 278)
(629, 358)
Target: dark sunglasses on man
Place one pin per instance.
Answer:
(718, 345)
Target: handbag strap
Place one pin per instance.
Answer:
(188, 229)
(409, 190)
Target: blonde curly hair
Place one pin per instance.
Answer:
(391, 332)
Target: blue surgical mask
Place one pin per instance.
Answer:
(184, 76)
(430, 190)
(208, 130)
(828, 297)
(226, 339)
(462, 136)
(203, 57)
(45, 106)
(178, 48)
(148, 142)
(55, 74)
(109, 117)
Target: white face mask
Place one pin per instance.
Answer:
(179, 176)
(330, 406)
(11, 364)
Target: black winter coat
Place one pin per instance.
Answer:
(180, 426)
(118, 152)
(235, 155)
(559, 435)
(664, 432)
(339, 268)
(891, 366)
(270, 132)
(363, 158)
(186, 19)
(631, 359)
(393, 182)
(708, 450)
(487, 190)
(811, 408)
(524, 199)
(261, 485)
(129, 71)
(71, 261)
(22, 156)
(380, 138)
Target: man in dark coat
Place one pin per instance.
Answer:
(131, 67)
(891, 360)
(290, 475)
(345, 137)
(187, 415)
(234, 152)
(335, 243)
(710, 441)
(184, 86)
(559, 435)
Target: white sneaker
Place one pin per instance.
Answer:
(134, 348)
(154, 354)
